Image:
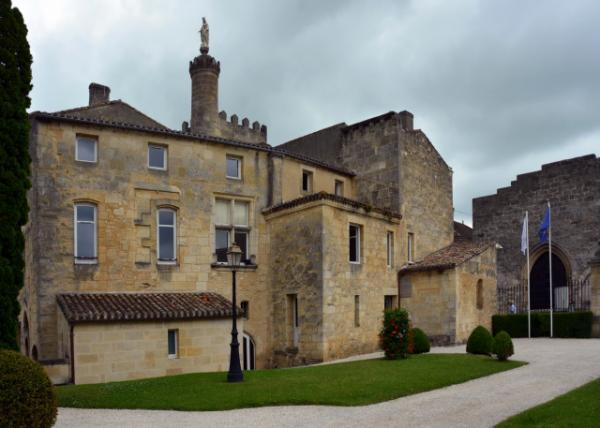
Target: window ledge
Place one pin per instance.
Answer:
(86, 261)
(225, 266)
(172, 357)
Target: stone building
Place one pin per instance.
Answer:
(572, 187)
(130, 222)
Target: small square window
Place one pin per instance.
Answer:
(234, 167)
(172, 345)
(157, 157)
(86, 149)
(307, 181)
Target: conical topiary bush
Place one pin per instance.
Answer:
(480, 341)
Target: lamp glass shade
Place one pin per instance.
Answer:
(234, 255)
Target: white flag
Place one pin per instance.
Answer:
(524, 237)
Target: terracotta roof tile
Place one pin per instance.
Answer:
(448, 257)
(111, 307)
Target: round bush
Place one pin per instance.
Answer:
(503, 346)
(393, 336)
(480, 341)
(26, 395)
(420, 341)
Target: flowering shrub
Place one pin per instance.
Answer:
(393, 336)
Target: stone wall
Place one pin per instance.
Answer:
(573, 188)
(110, 352)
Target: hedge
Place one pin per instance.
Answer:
(566, 324)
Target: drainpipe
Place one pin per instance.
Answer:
(72, 353)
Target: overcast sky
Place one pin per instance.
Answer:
(500, 87)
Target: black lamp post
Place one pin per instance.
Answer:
(235, 374)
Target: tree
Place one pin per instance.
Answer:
(15, 84)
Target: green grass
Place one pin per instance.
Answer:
(344, 384)
(578, 408)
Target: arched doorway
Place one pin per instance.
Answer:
(540, 282)
(248, 348)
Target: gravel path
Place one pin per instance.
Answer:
(555, 367)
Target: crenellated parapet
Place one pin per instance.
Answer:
(232, 128)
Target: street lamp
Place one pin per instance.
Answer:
(234, 257)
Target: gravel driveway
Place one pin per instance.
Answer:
(555, 367)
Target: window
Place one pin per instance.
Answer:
(307, 181)
(354, 242)
(479, 292)
(411, 247)
(389, 302)
(245, 305)
(166, 236)
(157, 157)
(172, 343)
(248, 348)
(357, 311)
(293, 319)
(234, 167)
(231, 225)
(86, 149)
(390, 249)
(339, 188)
(85, 234)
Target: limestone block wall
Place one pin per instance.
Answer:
(573, 188)
(595, 294)
(425, 194)
(111, 352)
(348, 329)
(480, 271)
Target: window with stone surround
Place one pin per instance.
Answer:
(232, 225)
(339, 188)
(479, 294)
(293, 320)
(245, 306)
(389, 302)
(85, 234)
(307, 181)
(157, 157)
(234, 167)
(357, 311)
(390, 249)
(354, 241)
(86, 149)
(411, 247)
(166, 239)
(173, 344)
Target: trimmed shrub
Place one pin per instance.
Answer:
(566, 324)
(480, 341)
(420, 341)
(503, 346)
(393, 336)
(27, 397)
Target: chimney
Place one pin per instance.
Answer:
(99, 94)
(406, 120)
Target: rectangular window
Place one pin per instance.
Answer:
(293, 319)
(232, 225)
(354, 242)
(172, 339)
(245, 306)
(411, 247)
(307, 181)
(390, 302)
(86, 149)
(390, 249)
(234, 167)
(166, 236)
(339, 188)
(85, 233)
(357, 311)
(157, 157)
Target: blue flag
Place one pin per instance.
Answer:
(543, 233)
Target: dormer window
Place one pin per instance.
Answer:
(86, 149)
(157, 157)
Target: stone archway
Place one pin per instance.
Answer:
(540, 279)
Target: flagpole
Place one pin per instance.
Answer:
(528, 277)
(550, 264)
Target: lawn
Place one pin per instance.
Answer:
(343, 384)
(578, 408)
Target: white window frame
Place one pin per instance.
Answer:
(390, 248)
(166, 156)
(78, 260)
(95, 140)
(358, 242)
(174, 227)
(410, 243)
(239, 166)
(176, 334)
(233, 228)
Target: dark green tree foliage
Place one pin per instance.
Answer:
(393, 336)
(15, 84)
(27, 397)
(503, 346)
(480, 341)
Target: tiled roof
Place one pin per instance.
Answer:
(448, 257)
(112, 121)
(111, 307)
(461, 230)
(330, 197)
